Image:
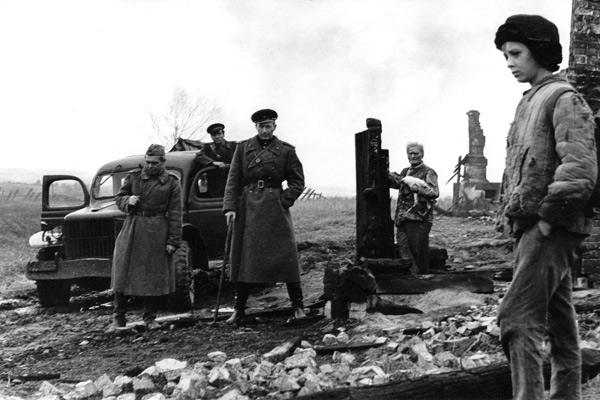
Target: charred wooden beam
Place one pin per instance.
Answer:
(374, 226)
(475, 283)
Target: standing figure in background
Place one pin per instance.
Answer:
(218, 153)
(551, 169)
(263, 248)
(418, 189)
(143, 256)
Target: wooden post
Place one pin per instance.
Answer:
(374, 226)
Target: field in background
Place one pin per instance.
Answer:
(328, 220)
(18, 221)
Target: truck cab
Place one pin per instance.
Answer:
(79, 226)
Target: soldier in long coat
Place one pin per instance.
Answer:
(263, 248)
(142, 261)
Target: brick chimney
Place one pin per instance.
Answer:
(475, 167)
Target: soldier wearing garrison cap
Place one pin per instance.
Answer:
(218, 153)
(143, 255)
(550, 173)
(263, 249)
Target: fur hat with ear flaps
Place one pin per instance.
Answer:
(537, 33)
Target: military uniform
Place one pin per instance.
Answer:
(263, 248)
(212, 152)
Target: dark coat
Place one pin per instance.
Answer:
(210, 153)
(141, 266)
(263, 248)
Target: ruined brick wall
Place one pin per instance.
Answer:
(584, 74)
(584, 54)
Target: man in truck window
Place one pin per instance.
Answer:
(217, 153)
(263, 249)
(143, 256)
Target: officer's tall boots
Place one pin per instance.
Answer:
(242, 291)
(119, 310)
(296, 297)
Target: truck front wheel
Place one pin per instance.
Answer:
(183, 298)
(53, 293)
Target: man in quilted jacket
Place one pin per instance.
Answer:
(550, 172)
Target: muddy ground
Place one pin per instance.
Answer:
(72, 342)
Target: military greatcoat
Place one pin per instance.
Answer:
(141, 265)
(263, 245)
(212, 152)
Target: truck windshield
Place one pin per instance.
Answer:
(107, 185)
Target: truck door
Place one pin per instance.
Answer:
(205, 208)
(61, 195)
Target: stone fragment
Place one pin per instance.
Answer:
(421, 354)
(234, 364)
(262, 370)
(154, 396)
(343, 358)
(329, 339)
(217, 356)
(233, 395)
(444, 359)
(299, 361)
(342, 337)
(219, 376)
(186, 387)
(249, 360)
(126, 396)
(102, 382)
(310, 387)
(111, 390)
(46, 388)
(326, 368)
(171, 364)
(286, 383)
(46, 397)
(306, 352)
(143, 384)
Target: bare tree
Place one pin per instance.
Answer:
(184, 117)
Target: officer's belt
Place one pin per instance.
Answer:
(150, 214)
(262, 184)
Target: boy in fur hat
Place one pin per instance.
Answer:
(549, 175)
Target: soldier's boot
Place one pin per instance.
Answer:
(149, 313)
(119, 310)
(242, 291)
(297, 299)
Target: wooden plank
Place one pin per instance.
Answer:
(320, 350)
(475, 283)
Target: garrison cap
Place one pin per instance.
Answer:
(213, 127)
(373, 122)
(264, 115)
(155, 150)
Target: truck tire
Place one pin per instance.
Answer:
(53, 293)
(183, 298)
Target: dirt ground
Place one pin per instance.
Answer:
(72, 342)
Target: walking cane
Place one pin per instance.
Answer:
(223, 268)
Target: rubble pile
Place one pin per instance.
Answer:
(394, 351)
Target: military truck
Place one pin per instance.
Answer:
(79, 227)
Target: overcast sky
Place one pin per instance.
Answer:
(79, 78)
